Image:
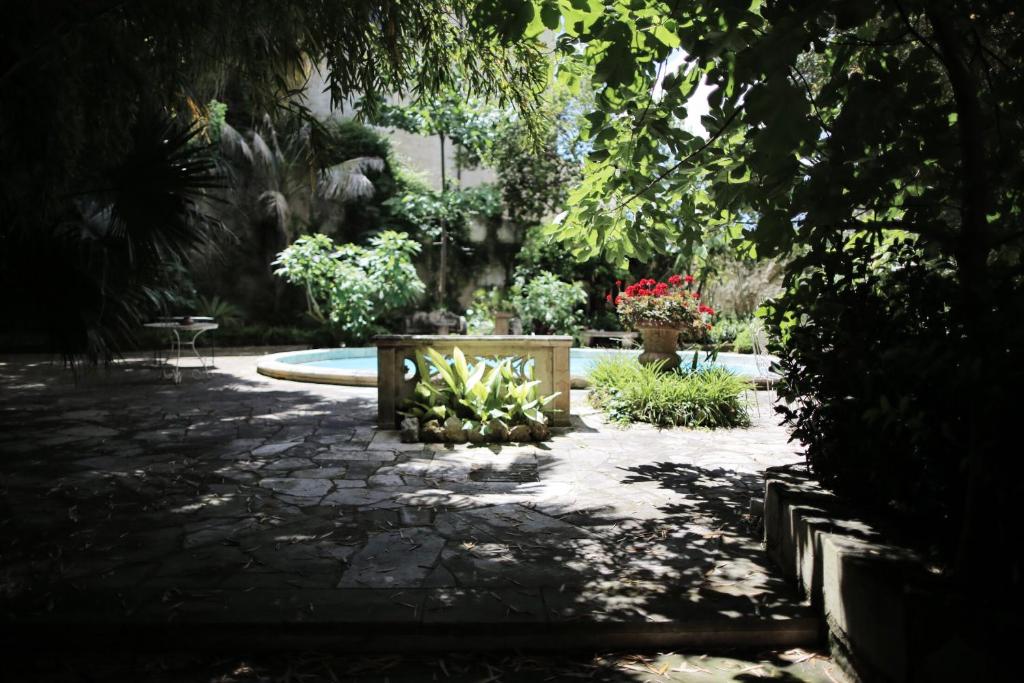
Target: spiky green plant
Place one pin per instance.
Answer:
(476, 393)
(224, 312)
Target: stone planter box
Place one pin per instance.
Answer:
(888, 618)
(550, 356)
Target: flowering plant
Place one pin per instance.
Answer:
(649, 303)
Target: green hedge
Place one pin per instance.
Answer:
(248, 335)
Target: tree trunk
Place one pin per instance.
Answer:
(442, 271)
(972, 256)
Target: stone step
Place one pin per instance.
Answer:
(409, 620)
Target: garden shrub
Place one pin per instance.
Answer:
(546, 305)
(480, 314)
(875, 375)
(274, 335)
(709, 397)
(352, 287)
(729, 328)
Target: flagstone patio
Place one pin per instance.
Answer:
(135, 506)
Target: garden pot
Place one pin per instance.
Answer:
(501, 322)
(660, 344)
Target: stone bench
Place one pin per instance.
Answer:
(395, 383)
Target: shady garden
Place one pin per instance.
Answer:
(566, 326)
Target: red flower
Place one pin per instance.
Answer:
(608, 298)
(618, 300)
(689, 279)
(674, 279)
(618, 283)
(661, 289)
(696, 295)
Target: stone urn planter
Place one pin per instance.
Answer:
(660, 344)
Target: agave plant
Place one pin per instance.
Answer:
(487, 396)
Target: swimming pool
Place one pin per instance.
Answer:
(358, 366)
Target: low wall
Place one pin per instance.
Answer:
(550, 355)
(887, 616)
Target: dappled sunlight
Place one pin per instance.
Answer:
(204, 501)
(288, 487)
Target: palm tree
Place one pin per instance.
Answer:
(284, 181)
(117, 252)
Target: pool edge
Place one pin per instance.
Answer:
(272, 366)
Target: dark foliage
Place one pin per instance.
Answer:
(82, 285)
(80, 80)
(879, 380)
(831, 126)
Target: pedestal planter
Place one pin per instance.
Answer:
(660, 344)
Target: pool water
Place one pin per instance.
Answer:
(581, 361)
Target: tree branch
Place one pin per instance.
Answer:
(675, 167)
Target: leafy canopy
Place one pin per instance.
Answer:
(75, 76)
(877, 143)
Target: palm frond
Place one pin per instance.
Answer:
(158, 192)
(275, 206)
(262, 151)
(347, 180)
(233, 144)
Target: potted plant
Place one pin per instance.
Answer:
(489, 312)
(661, 312)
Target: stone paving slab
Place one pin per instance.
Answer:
(249, 501)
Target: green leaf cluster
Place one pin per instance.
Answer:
(351, 287)
(468, 122)
(547, 305)
(485, 303)
(426, 211)
(858, 140)
(504, 391)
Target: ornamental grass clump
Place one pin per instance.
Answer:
(709, 397)
(650, 303)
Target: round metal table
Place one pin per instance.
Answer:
(196, 328)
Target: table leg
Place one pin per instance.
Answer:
(177, 362)
(195, 350)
